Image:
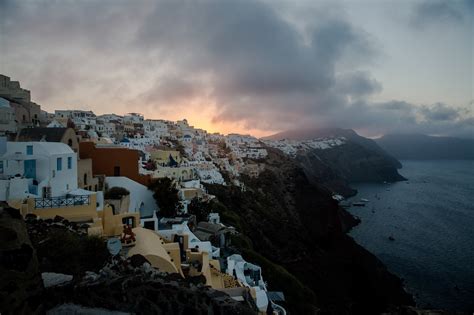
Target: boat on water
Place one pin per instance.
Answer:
(358, 204)
(364, 200)
(391, 238)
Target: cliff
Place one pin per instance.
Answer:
(357, 160)
(289, 220)
(21, 286)
(351, 162)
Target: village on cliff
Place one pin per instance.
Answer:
(97, 170)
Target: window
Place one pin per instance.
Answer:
(149, 225)
(59, 164)
(29, 150)
(69, 163)
(46, 192)
(85, 179)
(129, 221)
(1, 167)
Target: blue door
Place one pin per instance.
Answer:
(30, 169)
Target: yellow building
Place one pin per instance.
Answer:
(80, 208)
(182, 173)
(163, 157)
(173, 256)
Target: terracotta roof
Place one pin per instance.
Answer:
(40, 133)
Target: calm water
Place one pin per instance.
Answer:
(431, 217)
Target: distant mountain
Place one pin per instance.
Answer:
(358, 160)
(423, 147)
(307, 134)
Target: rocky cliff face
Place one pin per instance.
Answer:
(358, 160)
(351, 162)
(21, 286)
(294, 222)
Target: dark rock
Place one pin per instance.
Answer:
(58, 218)
(73, 225)
(17, 259)
(138, 260)
(14, 213)
(141, 295)
(21, 286)
(31, 216)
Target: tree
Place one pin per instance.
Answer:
(166, 196)
(199, 208)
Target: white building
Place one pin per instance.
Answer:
(55, 124)
(250, 276)
(193, 241)
(110, 117)
(141, 198)
(37, 169)
(156, 128)
(133, 118)
(7, 117)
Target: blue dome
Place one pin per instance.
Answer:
(4, 102)
(125, 140)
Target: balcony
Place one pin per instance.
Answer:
(60, 202)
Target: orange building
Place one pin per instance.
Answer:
(113, 161)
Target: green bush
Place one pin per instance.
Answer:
(116, 193)
(166, 196)
(297, 295)
(199, 208)
(69, 253)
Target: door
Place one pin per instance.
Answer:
(30, 169)
(117, 171)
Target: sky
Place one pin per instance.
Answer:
(257, 67)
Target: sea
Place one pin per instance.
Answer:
(422, 229)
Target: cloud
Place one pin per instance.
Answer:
(243, 60)
(440, 112)
(430, 12)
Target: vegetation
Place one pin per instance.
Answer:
(166, 196)
(199, 208)
(70, 253)
(116, 193)
(300, 299)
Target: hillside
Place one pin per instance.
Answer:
(423, 147)
(287, 220)
(357, 160)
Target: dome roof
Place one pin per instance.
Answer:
(4, 102)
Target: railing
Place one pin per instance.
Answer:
(59, 202)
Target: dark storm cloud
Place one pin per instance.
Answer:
(170, 89)
(430, 12)
(258, 67)
(440, 111)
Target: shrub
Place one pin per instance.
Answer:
(199, 208)
(116, 193)
(69, 253)
(166, 196)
